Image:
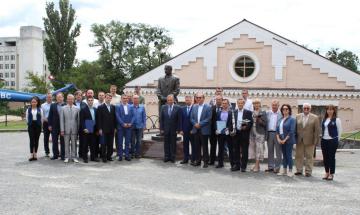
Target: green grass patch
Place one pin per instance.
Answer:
(14, 125)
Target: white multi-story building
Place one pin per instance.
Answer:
(20, 55)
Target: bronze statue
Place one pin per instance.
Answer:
(167, 85)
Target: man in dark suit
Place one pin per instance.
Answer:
(186, 128)
(215, 109)
(54, 127)
(243, 124)
(106, 126)
(170, 126)
(88, 113)
(201, 120)
(125, 119)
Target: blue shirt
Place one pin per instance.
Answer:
(224, 115)
(46, 109)
(140, 117)
(92, 112)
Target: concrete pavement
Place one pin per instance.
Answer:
(149, 186)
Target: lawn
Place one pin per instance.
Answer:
(13, 125)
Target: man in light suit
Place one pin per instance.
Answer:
(170, 126)
(201, 120)
(69, 127)
(124, 121)
(243, 124)
(308, 131)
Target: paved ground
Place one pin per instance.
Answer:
(152, 187)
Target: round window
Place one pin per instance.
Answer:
(244, 66)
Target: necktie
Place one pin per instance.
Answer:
(188, 110)
(169, 109)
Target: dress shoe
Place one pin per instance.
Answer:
(219, 166)
(211, 163)
(330, 178)
(53, 158)
(243, 170)
(137, 156)
(110, 159)
(298, 173)
(184, 162)
(166, 160)
(120, 159)
(86, 161)
(269, 170)
(197, 164)
(172, 160)
(95, 160)
(104, 160)
(31, 159)
(235, 168)
(205, 165)
(128, 159)
(307, 174)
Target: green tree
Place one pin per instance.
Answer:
(344, 58)
(127, 50)
(37, 84)
(60, 44)
(3, 104)
(89, 75)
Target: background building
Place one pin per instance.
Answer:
(269, 65)
(19, 55)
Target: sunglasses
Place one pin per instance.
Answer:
(198, 97)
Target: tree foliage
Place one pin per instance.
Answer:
(37, 84)
(61, 31)
(127, 51)
(345, 58)
(89, 75)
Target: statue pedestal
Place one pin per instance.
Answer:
(151, 148)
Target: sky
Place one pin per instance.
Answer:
(317, 24)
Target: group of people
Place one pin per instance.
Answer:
(242, 131)
(239, 132)
(95, 123)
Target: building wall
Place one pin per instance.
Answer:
(29, 56)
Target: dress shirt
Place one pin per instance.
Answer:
(46, 109)
(200, 109)
(239, 118)
(273, 119)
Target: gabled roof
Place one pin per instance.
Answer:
(281, 48)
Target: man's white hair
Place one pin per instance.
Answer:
(307, 104)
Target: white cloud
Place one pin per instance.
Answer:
(318, 24)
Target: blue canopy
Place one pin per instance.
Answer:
(16, 96)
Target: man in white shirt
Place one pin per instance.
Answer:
(116, 98)
(46, 108)
(248, 102)
(90, 94)
(273, 117)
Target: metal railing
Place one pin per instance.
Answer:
(152, 122)
(350, 141)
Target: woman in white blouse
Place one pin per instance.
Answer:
(34, 118)
(331, 133)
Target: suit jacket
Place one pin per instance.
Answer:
(214, 115)
(229, 124)
(168, 85)
(82, 104)
(86, 115)
(289, 128)
(139, 117)
(69, 120)
(106, 120)
(309, 134)
(172, 123)
(205, 119)
(261, 124)
(54, 118)
(121, 118)
(246, 115)
(186, 122)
